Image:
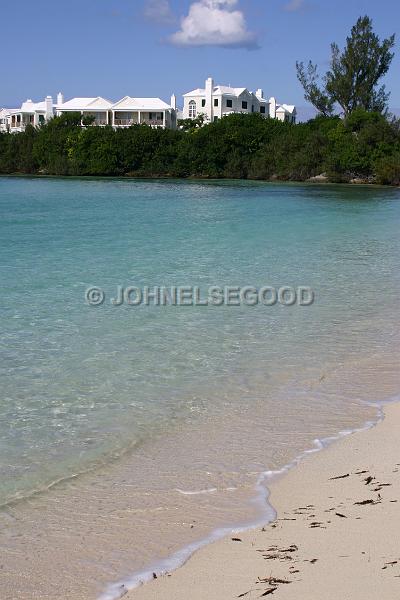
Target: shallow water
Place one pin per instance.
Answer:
(130, 408)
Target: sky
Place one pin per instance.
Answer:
(147, 48)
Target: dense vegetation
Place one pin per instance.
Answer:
(364, 145)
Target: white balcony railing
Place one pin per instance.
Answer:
(152, 122)
(125, 122)
(99, 122)
(143, 121)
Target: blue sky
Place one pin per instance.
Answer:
(114, 48)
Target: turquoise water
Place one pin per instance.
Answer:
(82, 386)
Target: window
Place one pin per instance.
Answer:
(192, 109)
(262, 110)
(215, 101)
(229, 103)
(215, 118)
(203, 103)
(252, 108)
(150, 116)
(244, 104)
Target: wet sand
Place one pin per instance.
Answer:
(335, 536)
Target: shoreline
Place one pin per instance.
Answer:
(208, 566)
(313, 182)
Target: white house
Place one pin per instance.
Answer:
(33, 113)
(5, 119)
(150, 111)
(98, 108)
(282, 112)
(125, 112)
(214, 102)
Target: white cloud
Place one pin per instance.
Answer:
(214, 23)
(158, 11)
(294, 5)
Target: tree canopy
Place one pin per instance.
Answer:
(352, 81)
(364, 145)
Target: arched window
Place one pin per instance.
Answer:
(192, 109)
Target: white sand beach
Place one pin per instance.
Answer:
(335, 536)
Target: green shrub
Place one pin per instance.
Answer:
(238, 146)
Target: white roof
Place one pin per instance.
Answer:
(30, 107)
(97, 103)
(151, 104)
(219, 89)
(9, 111)
(226, 89)
(289, 108)
(196, 92)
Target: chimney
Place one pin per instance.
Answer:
(173, 102)
(272, 107)
(49, 107)
(209, 98)
(60, 98)
(260, 93)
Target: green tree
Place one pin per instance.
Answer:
(88, 120)
(191, 124)
(364, 145)
(353, 79)
(309, 79)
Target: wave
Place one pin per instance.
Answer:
(159, 568)
(196, 492)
